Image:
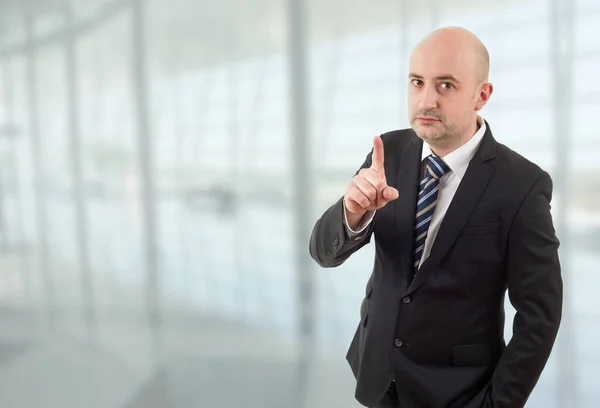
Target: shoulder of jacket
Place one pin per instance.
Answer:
(517, 163)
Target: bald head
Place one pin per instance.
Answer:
(462, 43)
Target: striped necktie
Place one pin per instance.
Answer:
(427, 199)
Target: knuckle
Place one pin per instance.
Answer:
(355, 190)
(376, 181)
(361, 199)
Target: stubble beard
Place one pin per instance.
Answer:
(444, 135)
(446, 139)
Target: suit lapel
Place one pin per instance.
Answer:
(465, 199)
(407, 183)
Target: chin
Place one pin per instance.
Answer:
(426, 133)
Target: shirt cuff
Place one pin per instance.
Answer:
(364, 223)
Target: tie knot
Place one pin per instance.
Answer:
(436, 167)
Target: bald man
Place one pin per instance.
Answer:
(458, 219)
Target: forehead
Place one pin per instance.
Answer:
(435, 60)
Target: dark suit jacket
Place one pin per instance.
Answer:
(440, 335)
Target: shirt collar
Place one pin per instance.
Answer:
(458, 160)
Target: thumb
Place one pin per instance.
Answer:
(390, 193)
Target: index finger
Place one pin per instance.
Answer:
(377, 158)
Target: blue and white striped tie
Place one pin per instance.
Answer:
(427, 199)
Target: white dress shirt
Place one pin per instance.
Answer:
(458, 161)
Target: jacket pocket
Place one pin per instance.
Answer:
(481, 354)
(490, 228)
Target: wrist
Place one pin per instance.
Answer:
(354, 219)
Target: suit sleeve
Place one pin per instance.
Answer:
(535, 290)
(330, 242)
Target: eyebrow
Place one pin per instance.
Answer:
(441, 77)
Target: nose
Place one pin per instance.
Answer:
(429, 97)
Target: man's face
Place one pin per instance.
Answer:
(442, 91)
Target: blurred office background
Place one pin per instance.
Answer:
(163, 162)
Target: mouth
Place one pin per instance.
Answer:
(427, 120)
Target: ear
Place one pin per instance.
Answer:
(485, 92)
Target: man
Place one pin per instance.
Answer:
(457, 219)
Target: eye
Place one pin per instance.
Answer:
(416, 82)
(447, 85)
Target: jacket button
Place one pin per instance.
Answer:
(336, 243)
(406, 299)
(398, 343)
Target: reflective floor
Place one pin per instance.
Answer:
(58, 358)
